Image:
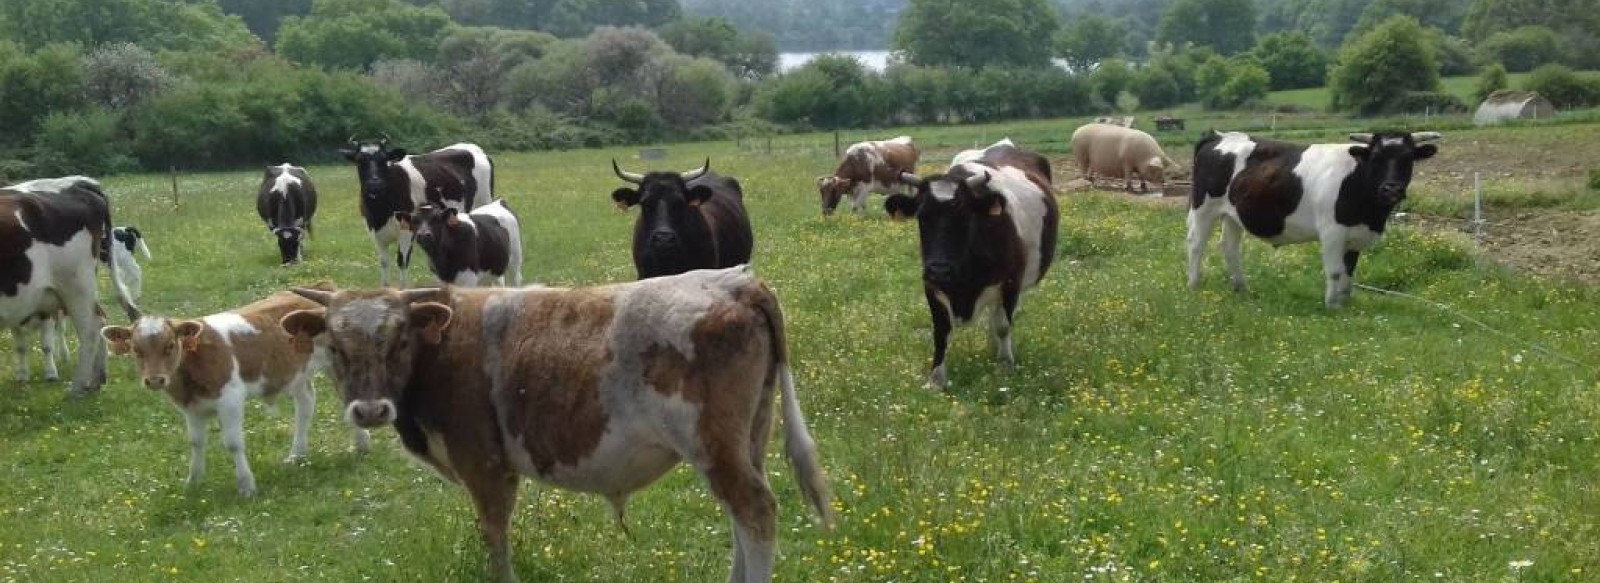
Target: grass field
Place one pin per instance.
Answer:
(1318, 98)
(1152, 433)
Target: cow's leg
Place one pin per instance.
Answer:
(1337, 289)
(1233, 251)
(362, 438)
(748, 500)
(230, 414)
(91, 372)
(937, 379)
(19, 345)
(196, 424)
(1000, 319)
(403, 259)
(494, 496)
(51, 343)
(1202, 221)
(858, 202)
(383, 260)
(1350, 259)
(305, 404)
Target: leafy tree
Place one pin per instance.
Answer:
(121, 75)
(924, 91)
(1089, 40)
(568, 18)
(693, 91)
(749, 56)
(1524, 48)
(1111, 78)
(1157, 87)
(1247, 83)
(1445, 15)
(1013, 33)
(34, 84)
(157, 24)
(1379, 68)
(87, 142)
(1292, 60)
(1486, 17)
(1456, 57)
(264, 16)
(1564, 87)
(1491, 80)
(473, 63)
(1225, 25)
(810, 25)
(353, 34)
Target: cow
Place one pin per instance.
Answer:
(53, 234)
(868, 167)
(459, 176)
(1116, 151)
(988, 232)
(124, 241)
(687, 220)
(466, 250)
(208, 367)
(287, 202)
(599, 390)
(1340, 195)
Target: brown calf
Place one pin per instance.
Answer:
(598, 390)
(207, 367)
(868, 167)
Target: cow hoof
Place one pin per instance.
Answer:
(51, 378)
(1240, 287)
(296, 459)
(82, 392)
(247, 490)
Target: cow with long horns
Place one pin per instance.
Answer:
(394, 182)
(687, 220)
(1340, 195)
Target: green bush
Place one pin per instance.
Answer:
(1231, 83)
(1292, 60)
(1378, 69)
(1594, 179)
(1111, 78)
(1491, 80)
(1157, 87)
(88, 142)
(1426, 101)
(1523, 49)
(1564, 87)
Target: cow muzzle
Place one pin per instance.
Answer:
(369, 414)
(663, 239)
(1392, 192)
(157, 382)
(939, 272)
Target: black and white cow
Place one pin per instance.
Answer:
(469, 249)
(988, 232)
(287, 202)
(53, 235)
(687, 220)
(1340, 195)
(459, 177)
(53, 343)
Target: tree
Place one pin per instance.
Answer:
(197, 25)
(962, 33)
(1230, 83)
(473, 62)
(353, 34)
(34, 84)
(1486, 17)
(1493, 79)
(122, 75)
(1225, 25)
(1379, 68)
(1445, 15)
(1111, 78)
(1292, 60)
(1090, 40)
(1524, 48)
(264, 16)
(1157, 87)
(1564, 87)
(749, 56)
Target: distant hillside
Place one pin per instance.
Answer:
(811, 25)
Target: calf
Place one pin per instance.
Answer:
(286, 202)
(466, 252)
(459, 177)
(1340, 195)
(53, 234)
(207, 367)
(868, 167)
(687, 220)
(988, 232)
(599, 390)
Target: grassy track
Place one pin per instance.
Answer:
(1152, 433)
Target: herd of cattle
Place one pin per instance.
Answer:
(604, 389)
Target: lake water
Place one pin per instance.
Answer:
(874, 60)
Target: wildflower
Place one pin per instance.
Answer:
(1521, 564)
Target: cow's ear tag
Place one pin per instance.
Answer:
(996, 209)
(694, 202)
(189, 336)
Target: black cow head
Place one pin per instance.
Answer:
(289, 240)
(671, 236)
(433, 226)
(1384, 161)
(957, 214)
(372, 160)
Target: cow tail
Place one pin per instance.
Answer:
(797, 443)
(124, 297)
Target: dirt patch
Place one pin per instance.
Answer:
(1560, 245)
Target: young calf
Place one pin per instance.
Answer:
(466, 252)
(207, 367)
(1339, 195)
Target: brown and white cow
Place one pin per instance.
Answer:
(868, 167)
(1339, 195)
(988, 232)
(208, 367)
(54, 233)
(599, 390)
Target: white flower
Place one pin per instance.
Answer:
(1521, 564)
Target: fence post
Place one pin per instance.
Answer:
(173, 170)
(836, 152)
(1477, 209)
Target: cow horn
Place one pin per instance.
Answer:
(413, 295)
(1423, 137)
(977, 180)
(353, 141)
(315, 295)
(911, 179)
(383, 143)
(1363, 138)
(697, 172)
(626, 176)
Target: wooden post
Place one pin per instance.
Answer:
(836, 152)
(174, 172)
(769, 144)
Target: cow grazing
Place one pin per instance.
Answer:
(1115, 151)
(868, 167)
(287, 202)
(597, 390)
(124, 241)
(53, 234)
(459, 177)
(1340, 195)
(988, 231)
(209, 366)
(687, 220)
(467, 250)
